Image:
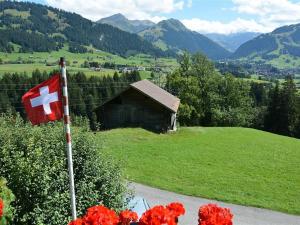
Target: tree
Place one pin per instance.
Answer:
(273, 114)
(207, 97)
(281, 114)
(232, 105)
(184, 62)
(90, 112)
(288, 107)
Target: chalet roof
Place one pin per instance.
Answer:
(158, 94)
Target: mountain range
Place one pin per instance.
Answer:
(277, 48)
(171, 34)
(156, 32)
(232, 41)
(121, 22)
(281, 44)
(29, 27)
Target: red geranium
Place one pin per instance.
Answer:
(98, 215)
(212, 214)
(160, 215)
(154, 216)
(126, 217)
(176, 208)
(1, 207)
(77, 222)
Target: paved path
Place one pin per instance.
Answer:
(242, 215)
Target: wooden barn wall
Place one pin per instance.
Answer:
(133, 109)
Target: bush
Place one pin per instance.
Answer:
(34, 162)
(6, 197)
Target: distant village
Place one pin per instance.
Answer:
(95, 66)
(246, 69)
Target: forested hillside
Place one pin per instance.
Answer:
(281, 47)
(172, 34)
(29, 27)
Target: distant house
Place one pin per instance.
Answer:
(131, 69)
(144, 105)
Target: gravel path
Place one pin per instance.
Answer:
(242, 215)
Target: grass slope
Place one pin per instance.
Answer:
(238, 165)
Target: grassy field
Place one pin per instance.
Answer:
(75, 60)
(237, 165)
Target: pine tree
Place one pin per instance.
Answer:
(288, 107)
(281, 115)
(90, 112)
(273, 112)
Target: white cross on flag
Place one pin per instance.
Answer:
(43, 102)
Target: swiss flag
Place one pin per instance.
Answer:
(43, 103)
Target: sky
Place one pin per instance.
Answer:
(204, 16)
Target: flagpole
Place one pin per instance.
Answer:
(68, 135)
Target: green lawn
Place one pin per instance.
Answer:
(237, 165)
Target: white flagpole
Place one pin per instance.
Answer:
(68, 135)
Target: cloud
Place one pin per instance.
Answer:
(157, 19)
(238, 25)
(270, 12)
(267, 15)
(133, 9)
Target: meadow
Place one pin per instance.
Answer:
(237, 165)
(48, 61)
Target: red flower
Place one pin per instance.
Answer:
(160, 215)
(100, 215)
(176, 208)
(212, 214)
(77, 222)
(126, 217)
(153, 216)
(1, 207)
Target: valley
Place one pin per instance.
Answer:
(119, 43)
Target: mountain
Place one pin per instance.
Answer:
(232, 41)
(29, 27)
(280, 47)
(121, 22)
(172, 34)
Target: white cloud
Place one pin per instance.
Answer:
(267, 15)
(133, 9)
(270, 12)
(157, 19)
(238, 25)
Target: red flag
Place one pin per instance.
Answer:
(43, 103)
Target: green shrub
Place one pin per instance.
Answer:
(7, 196)
(34, 161)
